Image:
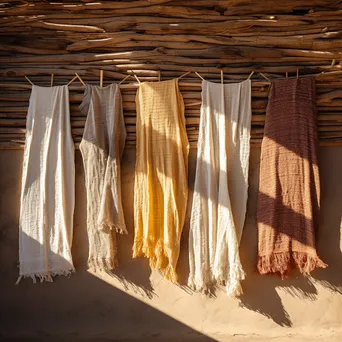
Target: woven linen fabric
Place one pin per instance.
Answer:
(48, 187)
(289, 189)
(221, 186)
(101, 147)
(161, 175)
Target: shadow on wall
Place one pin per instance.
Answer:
(99, 309)
(261, 293)
(91, 308)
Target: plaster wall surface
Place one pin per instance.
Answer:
(135, 303)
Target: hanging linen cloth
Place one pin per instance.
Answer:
(289, 188)
(161, 175)
(221, 186)
(101, 147)
(48, 186)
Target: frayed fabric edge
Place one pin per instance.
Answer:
(200, 286)
(105, 225)
(45, 276)
(156, 254)
(281, 263)
(232, 284)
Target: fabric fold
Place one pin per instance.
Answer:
(101, 148)
(289, 187)
(48, 186)
(221, 187)
(161, 175)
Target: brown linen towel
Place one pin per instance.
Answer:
(289, 189)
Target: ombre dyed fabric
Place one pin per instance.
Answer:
(101, 147)
(161, 175)
(289, 187)
(221, 186)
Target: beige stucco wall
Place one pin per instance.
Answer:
(137, 303)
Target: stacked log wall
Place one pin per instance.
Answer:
(160, 39)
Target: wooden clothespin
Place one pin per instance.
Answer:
(51, 83)
(250, 75)
(29, 80)
(221, 76)
(101, 78)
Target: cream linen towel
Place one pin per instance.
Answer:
(221, 186)
(48, 186)
(101, 147)
(161, 175)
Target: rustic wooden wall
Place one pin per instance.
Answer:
(158, 38)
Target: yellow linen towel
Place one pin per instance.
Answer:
(161, 175)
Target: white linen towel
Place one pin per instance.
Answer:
(221, 186)
(48, 186)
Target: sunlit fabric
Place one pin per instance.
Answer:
(161, 175)
(101, 147)
(221, 186)
(289, 188)
(48, 186)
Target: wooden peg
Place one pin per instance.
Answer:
(122, 81)
(101, 78)
(29, 80)
(265, 77)
(78, 76)
(72, 80)
(221, 76)
(187, 73)
(250, 75)
(51, 83)
(199, 75)
(136, 77)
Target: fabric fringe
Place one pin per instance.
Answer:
(102, 264)
(232, 284)
(159, 258)
(306, 263)
(45, 276)
(106, 225)
(202, 286)
(281, 263)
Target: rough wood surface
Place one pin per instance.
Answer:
(168, 38)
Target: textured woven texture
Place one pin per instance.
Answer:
(221, 186)
(161, 175)
(48, 186)
(101, 147)
(289, 190)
